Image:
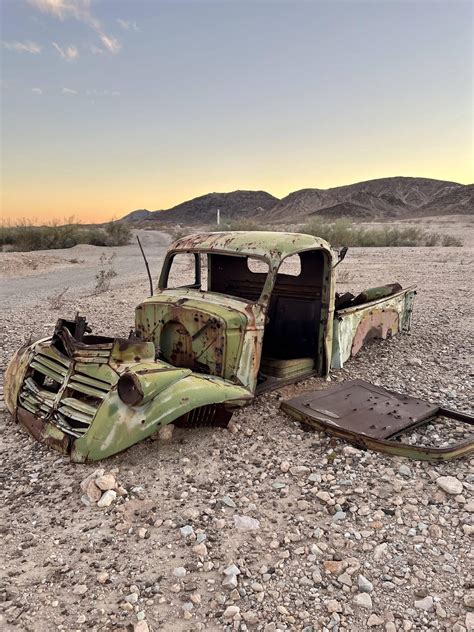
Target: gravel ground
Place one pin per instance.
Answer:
(30, 277)
(345, 539)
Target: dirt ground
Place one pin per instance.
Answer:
(346, 540)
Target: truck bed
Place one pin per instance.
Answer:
(381, 318)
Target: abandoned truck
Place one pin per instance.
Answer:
(234, 314)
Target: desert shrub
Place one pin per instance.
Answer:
(118, 234)
(24, 236)
(343, 232)
(57, 300)
(103, 278)
(450, 240)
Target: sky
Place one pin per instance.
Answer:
(113, 105)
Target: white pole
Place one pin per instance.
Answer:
(218, 216)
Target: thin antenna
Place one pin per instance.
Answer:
(218, 216)
(147, 266)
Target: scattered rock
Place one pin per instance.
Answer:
(231, 611)
(103, 577)
(107, 498)
(469, 599)
(246, 523)
(374, 620)
(426, 604)
(333, 606)
(186, 531)
(404, 470)
(364, 585)
(227, 500)
(363, 600)
(105, 482)
(450, 485)
(80, 589)
(200, 549)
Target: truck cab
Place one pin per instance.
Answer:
(253, 308)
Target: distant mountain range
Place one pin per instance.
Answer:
(384, 198)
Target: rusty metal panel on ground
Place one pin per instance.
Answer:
(373, 417)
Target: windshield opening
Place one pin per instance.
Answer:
(239, 276)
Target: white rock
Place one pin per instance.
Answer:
(324, 496)
(179, 571)
(449, 484)
(231, 611)
(425, 604)
(102, 577)
(299, 470)
(364, 600)
(469, 621)
(246, 523)
(404, 470)
(186, 531)
(107, 498)
(380, 550)
(374, 620)
(80, 589)
(333, 606)
(284, 466)
(231, 570)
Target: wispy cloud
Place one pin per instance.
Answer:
(70, 92)
(128, 25)
(22, 47)
(110, 43)
(102, 93)
(37, 90)
(81, 11)
(69, 53)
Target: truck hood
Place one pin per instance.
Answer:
(202, 331)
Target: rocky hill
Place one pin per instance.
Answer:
(384, 198)
(202, 210)
(390, 198)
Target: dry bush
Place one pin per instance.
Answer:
(24, 236)
(56, 301)
(106, 273)
(342, 232)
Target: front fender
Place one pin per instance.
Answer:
(117, 425)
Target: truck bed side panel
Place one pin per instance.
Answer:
(354, 326)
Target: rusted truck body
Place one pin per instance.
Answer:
(234, 314)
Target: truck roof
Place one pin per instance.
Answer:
(270, 245)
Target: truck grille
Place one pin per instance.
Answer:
(67, 392)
